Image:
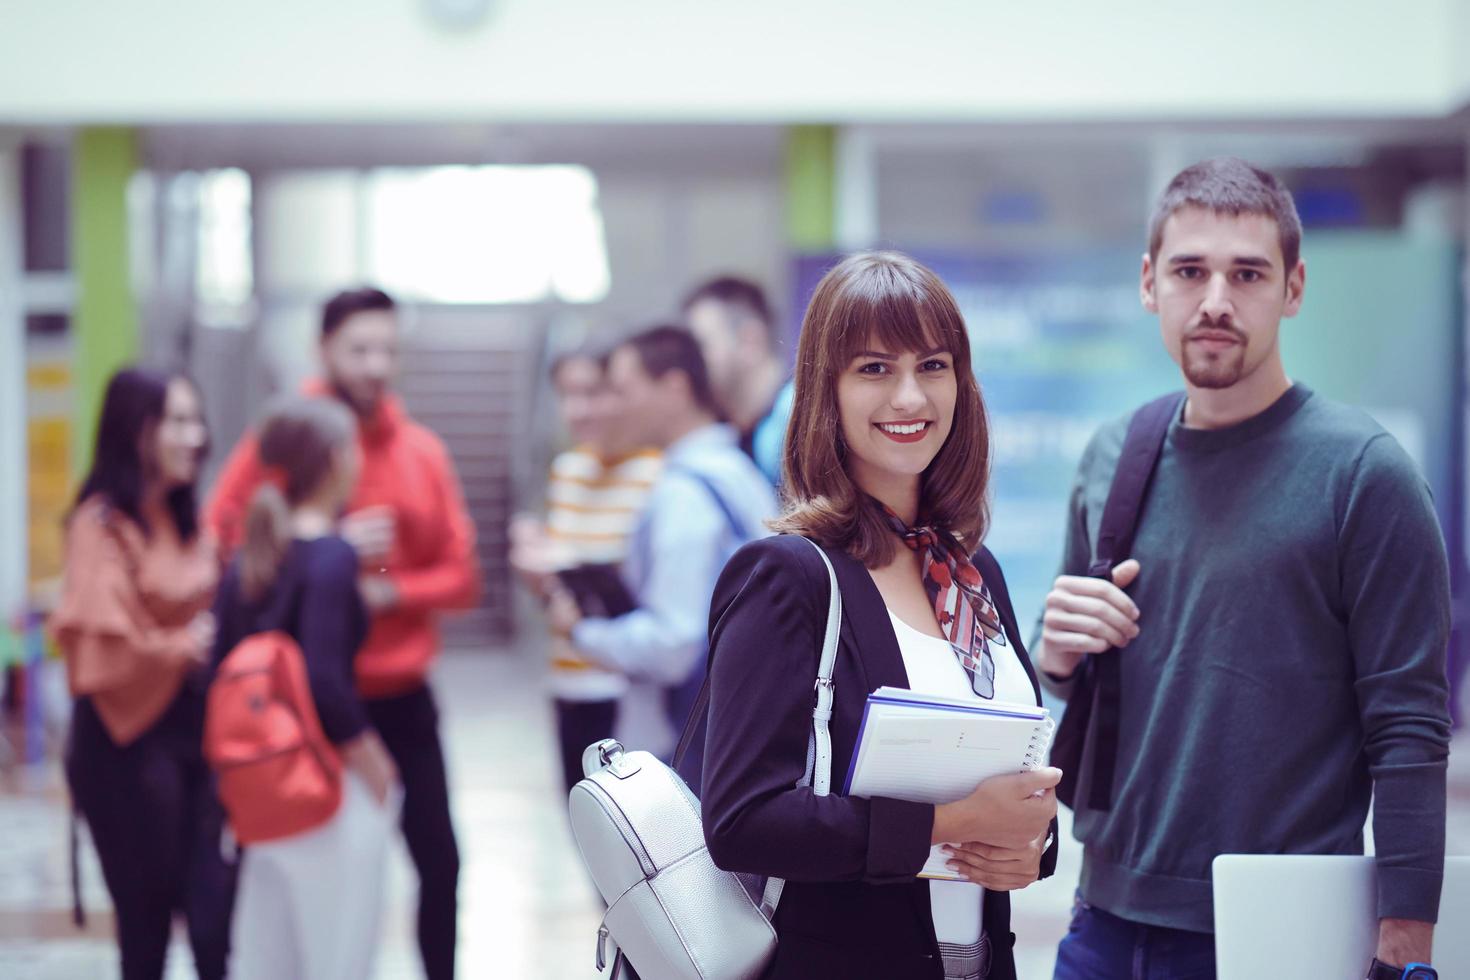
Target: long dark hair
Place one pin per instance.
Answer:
(136, 399)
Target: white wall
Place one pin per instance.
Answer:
(1460, 57)
(665, 234)
(665, 230)
(183, 60)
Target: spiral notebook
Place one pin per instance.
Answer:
(928, 748)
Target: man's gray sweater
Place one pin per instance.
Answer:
(1294, 614)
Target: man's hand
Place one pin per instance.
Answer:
(1404, 941)
(370, 531)
(562, 613)
(378, 592)
(1087, 615)
(534, 555)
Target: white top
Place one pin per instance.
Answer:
(933, 668)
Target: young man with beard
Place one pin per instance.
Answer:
(1281, 640)
(416, 544)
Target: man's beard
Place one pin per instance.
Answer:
(1214, 369)
(363, 406)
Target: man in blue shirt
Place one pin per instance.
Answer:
(709, 500)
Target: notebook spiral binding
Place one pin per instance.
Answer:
(1040, 743)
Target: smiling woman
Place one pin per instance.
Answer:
(135, 627)
(887, 468)
(884, 337)
(904, 399)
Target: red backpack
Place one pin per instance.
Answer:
(278, 774)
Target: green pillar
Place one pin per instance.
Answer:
(104, 328)
(811, 188)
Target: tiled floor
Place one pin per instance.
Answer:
(528, 912)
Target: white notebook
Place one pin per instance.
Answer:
(928, 748)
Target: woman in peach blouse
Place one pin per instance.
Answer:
(135, 626)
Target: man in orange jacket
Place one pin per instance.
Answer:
(408, 523)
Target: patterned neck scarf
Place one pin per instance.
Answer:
(961, 601)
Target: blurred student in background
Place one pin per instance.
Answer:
(595, 494)
(739, 338)
(709, 500)
(135, 627)
(309, 904)
(415, 545)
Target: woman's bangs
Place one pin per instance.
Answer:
(892, 324)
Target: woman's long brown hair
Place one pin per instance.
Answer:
(888, 300)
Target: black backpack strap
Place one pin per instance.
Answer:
(1142, 447)
(78, 913)
(1100, 684)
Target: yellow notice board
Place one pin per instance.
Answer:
(48, 451)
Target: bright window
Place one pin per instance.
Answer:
(486, 234)
(224, 278)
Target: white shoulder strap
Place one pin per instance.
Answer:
(818, 773)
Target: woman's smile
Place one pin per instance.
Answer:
(907, 431)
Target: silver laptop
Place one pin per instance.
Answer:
(1301, 916)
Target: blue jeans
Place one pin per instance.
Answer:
(1101, 946)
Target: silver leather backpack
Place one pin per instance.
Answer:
(672, 914)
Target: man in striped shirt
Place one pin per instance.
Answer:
(596, 491)
(710, 500)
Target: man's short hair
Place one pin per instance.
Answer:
(666, 348)
(1230, 185)
(740, 295)
(350, 302)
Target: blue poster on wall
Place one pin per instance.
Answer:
(1062, 344)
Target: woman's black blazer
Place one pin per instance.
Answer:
(852, 907)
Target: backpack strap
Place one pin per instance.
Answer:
(1142, 447)
(818, 773)
(680, 700)
(737, 526)
(1100, 687)
(818, 770)
(78, 913)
